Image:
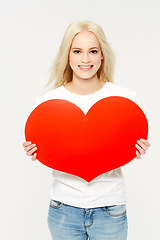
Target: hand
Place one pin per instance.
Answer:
(142, 147)
(30, 150)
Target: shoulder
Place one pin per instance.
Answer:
(121, 91)
(51, 94)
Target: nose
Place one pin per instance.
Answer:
(85, 58)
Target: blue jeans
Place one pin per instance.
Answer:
(72, 223)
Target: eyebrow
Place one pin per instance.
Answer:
(89, 48)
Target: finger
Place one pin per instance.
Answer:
(33, 150)
(142, 145)
(145, 142)
(30, 147)
(25, 144)
(34, 157)
(138, 156)
(141, 150)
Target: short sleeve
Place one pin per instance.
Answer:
(38, 100)
(134, 96)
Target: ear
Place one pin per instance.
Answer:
(102, 57)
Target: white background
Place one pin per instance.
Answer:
(31, 32)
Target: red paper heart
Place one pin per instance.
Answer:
(86, 145)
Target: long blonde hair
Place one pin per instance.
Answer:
(61, 71)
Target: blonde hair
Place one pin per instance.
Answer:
(61, 71)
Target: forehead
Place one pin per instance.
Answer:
(85, 38)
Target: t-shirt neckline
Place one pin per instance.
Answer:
(85, 95)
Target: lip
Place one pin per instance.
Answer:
(85, 69)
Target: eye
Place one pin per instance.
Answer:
(76, 51)
(94, 51)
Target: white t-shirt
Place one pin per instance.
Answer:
(108, 188)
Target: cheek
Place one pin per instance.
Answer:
(97, 59)
(98, 63)
(72, 59)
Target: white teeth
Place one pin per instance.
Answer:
(85, 67)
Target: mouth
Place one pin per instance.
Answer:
(85, 67)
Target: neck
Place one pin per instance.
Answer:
(85, 86)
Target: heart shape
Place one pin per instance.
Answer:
(86, 145)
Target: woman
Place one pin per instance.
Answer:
(82, 73)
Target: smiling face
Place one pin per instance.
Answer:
(85, 56)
